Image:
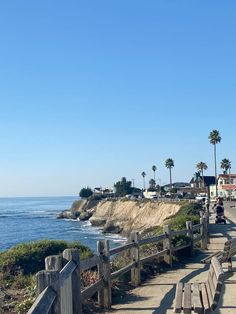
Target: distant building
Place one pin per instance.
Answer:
(199, 185)
(150, 194)
(103, 191)
(176, 185)
(226, 186)
(201, 182)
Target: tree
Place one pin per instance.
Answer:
(123, 187)
(143, 174)
(225, 165)
(200, 167)
(215, 138)
(85, 192)
(169, 163)
(152, 185)
(154, 168)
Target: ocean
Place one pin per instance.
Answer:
(24, 219)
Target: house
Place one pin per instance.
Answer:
(201, 182)
(226, 186)
(176, 185)
(102, 191)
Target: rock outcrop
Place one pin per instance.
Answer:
(82, 209)
(123, 216)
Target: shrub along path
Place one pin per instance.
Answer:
(157, 295)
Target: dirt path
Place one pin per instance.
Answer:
(157, 295)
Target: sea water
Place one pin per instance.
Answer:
(25, 219)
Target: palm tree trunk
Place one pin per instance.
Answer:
(216, 183)
(154, 176)
(170, 180)
(144, 183)
(203, 179)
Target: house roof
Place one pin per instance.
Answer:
(226, 176)
(227, 187)
(208, 180)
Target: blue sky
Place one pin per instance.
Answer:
(91, 91)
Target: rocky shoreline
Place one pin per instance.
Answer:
(121, 216)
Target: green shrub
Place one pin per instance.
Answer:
(190, 209)
(28, 258)
(179, 222)
(22, 307)
(85, 192)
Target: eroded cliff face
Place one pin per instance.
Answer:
(125, 216)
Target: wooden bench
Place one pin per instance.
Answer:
(226, 255)
(200, 297)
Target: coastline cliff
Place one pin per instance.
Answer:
(122, 216)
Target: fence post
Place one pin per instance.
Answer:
(73, 254)
(100, 247)
(203, 232)
(50, 278)
(135, 255)
(106, 273)
(53, 262)
(168, 258)
(189, 227)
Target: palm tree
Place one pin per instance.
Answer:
(154, 168)
(225, 165)
(200, 167)
(143, 174)
(152, 185)
(215, 138)
(170, 164)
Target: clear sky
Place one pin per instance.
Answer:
(91, 91)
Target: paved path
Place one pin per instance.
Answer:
(156, 296)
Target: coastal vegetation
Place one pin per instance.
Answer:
(85, 192)
(19, 265)
(123, 187)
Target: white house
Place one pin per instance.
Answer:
(226, 186)
(150, 194)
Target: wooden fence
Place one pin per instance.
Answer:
(59, 285)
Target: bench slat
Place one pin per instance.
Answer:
(178, 298)
(196, 298)
(201, 297)
(205, 298)
(211, 286)
(187, 303)
(217, 267)
(209, 294)
(214, 279)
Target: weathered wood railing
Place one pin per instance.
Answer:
(59, 285)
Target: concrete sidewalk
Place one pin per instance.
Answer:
(157, 295)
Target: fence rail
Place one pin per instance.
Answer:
(59, 287)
